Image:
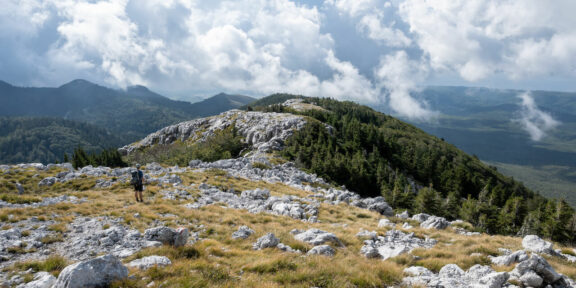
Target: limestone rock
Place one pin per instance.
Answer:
(539, 266)
(41, 280)
(169, 236)
(421, 217)
(365, 234)
(263, 131)
(48, 181)
(531, 279)
(393, 244)
(534, 243)
(385, 223)
(434, 222)
(453, 276)
(317, 237)
(97, 272)
(325, 250)
(242, 233)
(509, 259)
(267, 241)
(404, 215)
(149, 262)
(257, 194)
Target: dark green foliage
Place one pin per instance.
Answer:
(109, 158)
(47, 140)
(375, 154)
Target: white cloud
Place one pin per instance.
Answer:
(372, 22)
(478, 38)
(535, 121)
(400, 76)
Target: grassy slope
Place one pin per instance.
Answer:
(219, 261)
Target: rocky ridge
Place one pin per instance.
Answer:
(264, 132)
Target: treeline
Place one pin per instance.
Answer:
(109, 158)
(46, 140)
(375, 154)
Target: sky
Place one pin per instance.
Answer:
(369, 51)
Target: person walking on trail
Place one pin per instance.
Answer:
(138, 182)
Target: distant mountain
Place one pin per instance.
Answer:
(129, 114)
(484, 122)
(24, 140)
(220, 103)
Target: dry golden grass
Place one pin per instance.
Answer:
(220, 261)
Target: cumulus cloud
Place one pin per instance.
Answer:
(478, 38)
(375, 19)
(372, 50)
(400, 76)
(535, 121)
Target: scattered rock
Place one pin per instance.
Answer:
(421, 217)
(365, 234)
(169, 236)
(435, 222)
(534, 243)
(404, 215)
(149, 262)
(97, 272)
(267, 241)
(385, 223)
(287, 248)
(393, 244)
(539, 266)
(509, 259)
(316, 237)
(407, 225)
(41, 280)
(453, 276)
(325, 250)
(48, 181)
(242, 233)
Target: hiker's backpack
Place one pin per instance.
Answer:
(136, 179)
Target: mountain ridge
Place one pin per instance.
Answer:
(129, 114)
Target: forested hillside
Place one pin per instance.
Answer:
(46, 140)
(487, 123)
(130, 114)
(118, 117)
(374, 154)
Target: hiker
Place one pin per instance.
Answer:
(138, 182)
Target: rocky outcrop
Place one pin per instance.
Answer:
(435, 222)
(316, 237)
(258, 201)
(267, 241)
(88, 237)
(393, 244)
(242, 233)
(168, 236)
(149, 262)
(536, 272)
(97, 272)
(509, 258)
(534, 243)
(453, 276)
(41, 280)
(264, 132)
(325, 250)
